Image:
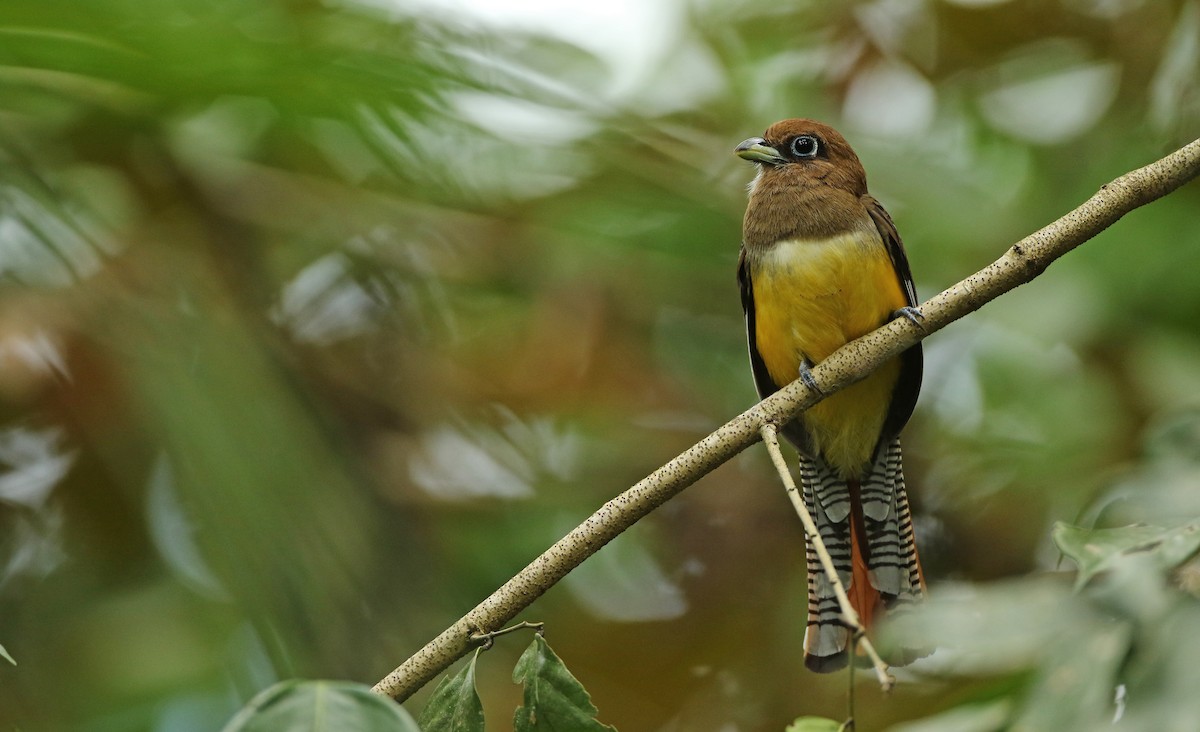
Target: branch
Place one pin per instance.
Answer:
(769, 432)
(1024, 261)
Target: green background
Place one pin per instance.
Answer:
(318, 321)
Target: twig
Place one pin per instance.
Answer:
(485, 640)
(771, 440)
(850, 363)
(848, 725)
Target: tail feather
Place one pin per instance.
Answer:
(895, 567)
(864, 596)
(867, 528)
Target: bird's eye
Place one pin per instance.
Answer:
(805, 146)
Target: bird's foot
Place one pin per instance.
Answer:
(807, 377)
(911, 314)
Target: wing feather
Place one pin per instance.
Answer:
(762, 378)
(908, 385)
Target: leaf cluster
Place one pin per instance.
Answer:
(553, 701)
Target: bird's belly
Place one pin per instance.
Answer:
(812, 297)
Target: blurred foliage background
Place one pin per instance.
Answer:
(319, 320)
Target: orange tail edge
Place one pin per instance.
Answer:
(864, 598)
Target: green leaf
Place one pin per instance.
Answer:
(321, 706)
(1075, 684)
(455, 705)
(1096, 550)
(554, 699)
(5, 656)
(814, 724)
(997, 628)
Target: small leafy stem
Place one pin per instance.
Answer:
(485, 640)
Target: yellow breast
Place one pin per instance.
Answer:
(812, 297)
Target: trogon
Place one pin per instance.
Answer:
(822, 264)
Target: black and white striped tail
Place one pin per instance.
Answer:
(878, 508)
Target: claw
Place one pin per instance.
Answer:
(807, 377)
(913, 315)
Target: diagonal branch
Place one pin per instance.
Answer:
(769, 435)
(1024, 261)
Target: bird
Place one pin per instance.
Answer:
(821, 264)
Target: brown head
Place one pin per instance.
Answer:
(809, 183)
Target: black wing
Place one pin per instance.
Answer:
(762, 378)
(908, 386)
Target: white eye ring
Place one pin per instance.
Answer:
(805, 146)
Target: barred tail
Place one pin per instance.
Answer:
(867, 528)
